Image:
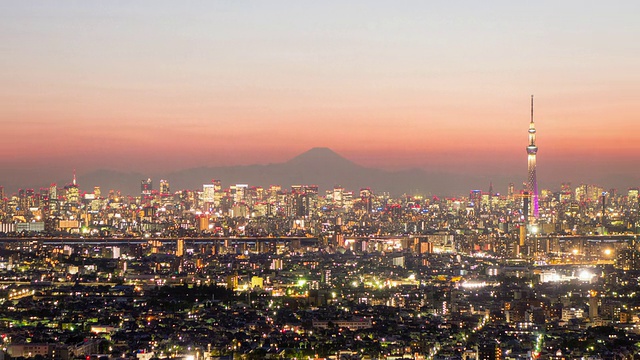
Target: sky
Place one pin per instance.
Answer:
(152, 86)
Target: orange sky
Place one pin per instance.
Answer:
(157, 86)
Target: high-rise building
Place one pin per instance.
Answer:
(273, 192)
(491, 196)
(339, 236)
(217, 189)
(565, 192)
(475, 199)
(338, 196)
(164, 187)
(632, 196)
(72, 191)
(532, 182)
(366, 196)
(208, 195)
(489, 350)
(239, 192)
(593, 305)
(146, 186)
(53, 200)
(628, 259)
(180, 247)
(325, 277)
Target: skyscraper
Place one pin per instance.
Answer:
(510, 191)
(208, 195)
(532, 183)
(164, 187)
(146, 186)
(53, 200)
(217, 191)
(72, 191)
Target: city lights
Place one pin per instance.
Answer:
(312, 180)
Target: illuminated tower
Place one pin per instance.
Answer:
(72, 191)
(532, 183)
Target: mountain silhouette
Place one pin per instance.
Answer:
(318, 166)
(320, 156)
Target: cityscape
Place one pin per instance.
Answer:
(241, 271)
(303, 180)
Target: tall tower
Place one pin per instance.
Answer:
(532, 183)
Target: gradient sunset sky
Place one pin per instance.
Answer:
(154, 86)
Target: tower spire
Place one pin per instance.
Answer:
(531, 108)
(532, 150)
(74, 178)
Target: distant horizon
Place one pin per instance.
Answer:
(499, 184)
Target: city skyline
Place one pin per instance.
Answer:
(155, 88)
(212, 180)
(308, 169)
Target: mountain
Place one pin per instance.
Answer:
(317, 166)
(321, 156)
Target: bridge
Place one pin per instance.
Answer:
(119, 241)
